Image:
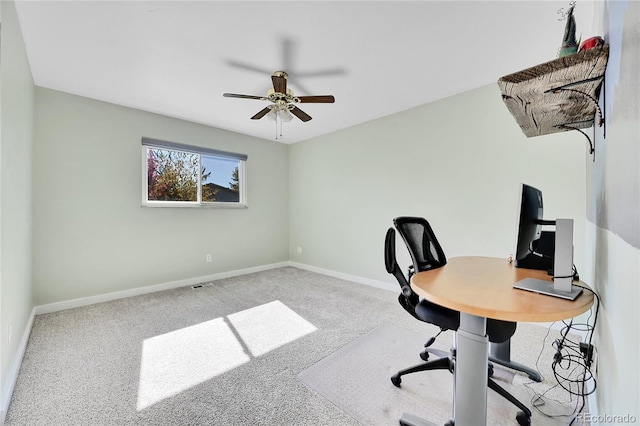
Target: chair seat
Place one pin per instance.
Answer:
(500, 331)
(447, 319)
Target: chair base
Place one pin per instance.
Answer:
(523, 417)
(512, 399)
(437, 364)
(431, 351)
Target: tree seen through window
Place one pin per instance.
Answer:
(174, 176)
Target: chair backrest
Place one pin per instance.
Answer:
(426, 253)
(390, 261)
(407, 298)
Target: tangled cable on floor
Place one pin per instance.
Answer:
(572, 363)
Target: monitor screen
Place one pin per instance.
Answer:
(534, 247)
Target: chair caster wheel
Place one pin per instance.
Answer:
(490, 372)
(424, 355)
(449, 423)
(523, 419)
(396, 380)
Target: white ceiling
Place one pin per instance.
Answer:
(177, 58)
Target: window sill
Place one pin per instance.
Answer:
(195, 205)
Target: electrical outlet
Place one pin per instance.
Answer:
(209, 258)
(299, 250)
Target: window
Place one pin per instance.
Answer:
(177, 175)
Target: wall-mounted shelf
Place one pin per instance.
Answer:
(559, 95)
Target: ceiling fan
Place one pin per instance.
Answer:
(283, 100)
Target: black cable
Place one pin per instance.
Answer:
(579, 358)
(572, 361)
(574, 274)
(570, 358)
(539, 399)
(595, 319)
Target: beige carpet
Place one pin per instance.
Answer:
(230, 353)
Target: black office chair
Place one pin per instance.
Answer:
(426, 254)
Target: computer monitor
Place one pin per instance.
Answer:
(534, 247)
(546, 250)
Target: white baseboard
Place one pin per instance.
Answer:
(360, 280)
(14, 368)
(84, 301)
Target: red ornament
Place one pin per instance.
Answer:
(592, 42)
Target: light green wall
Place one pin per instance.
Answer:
(91, 235)
(458, 162)
(16, 106)
(613, 212)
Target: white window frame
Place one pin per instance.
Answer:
(150, 143)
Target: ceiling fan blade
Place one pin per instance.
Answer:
(248, 67)
(320, 99)
(279, 80)
(264, 111)
(300, 114)
(235, 95)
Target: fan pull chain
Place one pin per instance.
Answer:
(278, 118)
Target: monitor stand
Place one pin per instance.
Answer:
(562, 267)
(547, 288)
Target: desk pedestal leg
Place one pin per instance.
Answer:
(413, 420)
(471, 376)
(500, 353)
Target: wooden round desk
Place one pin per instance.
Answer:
(481, 288)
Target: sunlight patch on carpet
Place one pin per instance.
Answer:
(174, 362)
(269, 326)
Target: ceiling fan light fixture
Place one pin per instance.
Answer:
(285, 115)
